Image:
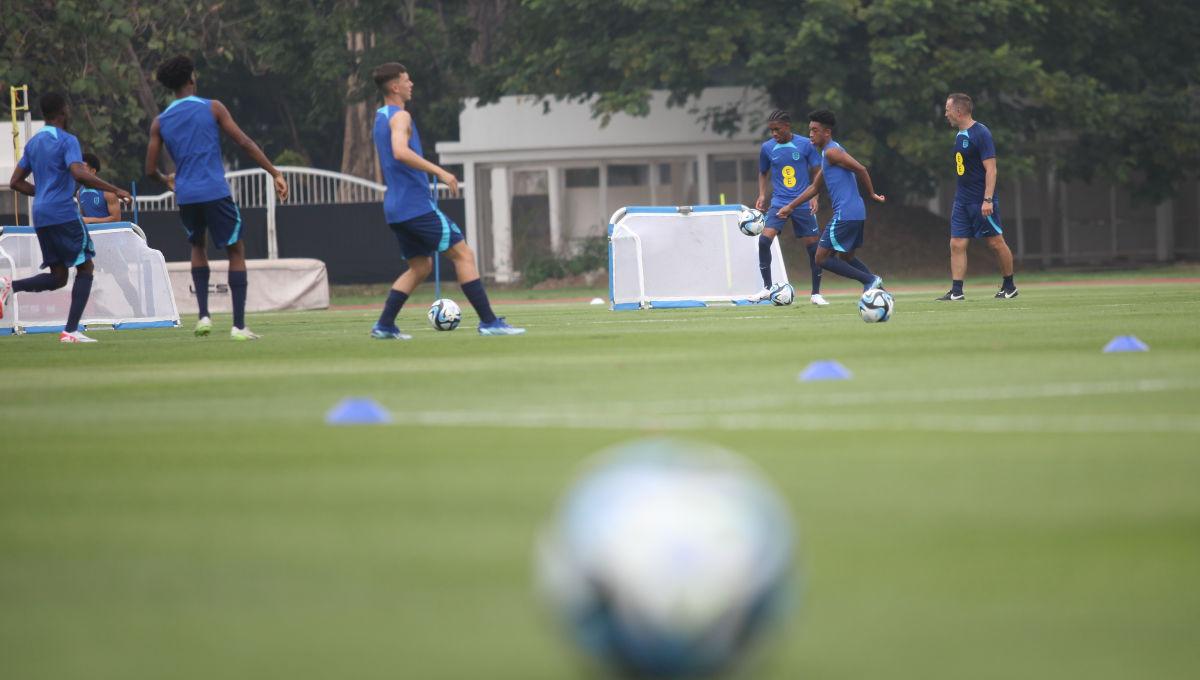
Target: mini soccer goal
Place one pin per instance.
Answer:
(131, 287)
(686, 256)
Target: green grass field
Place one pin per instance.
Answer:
(989, 497)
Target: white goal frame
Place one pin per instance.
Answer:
(12, 323)
(739, 253)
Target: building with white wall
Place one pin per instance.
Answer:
(547, 174)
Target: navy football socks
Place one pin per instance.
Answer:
(479, 300)
(391, 308)
(79, 297)
(956, 286)
(35, 284)
(861, 266)
(237, 290)
(812, 266)
(842, 268)
(1008, 283)
(200, 285)
(764, 260)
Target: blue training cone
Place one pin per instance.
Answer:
(825, 370)
(1126, 343)
(358, 411)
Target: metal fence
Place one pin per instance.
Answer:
(253, 188)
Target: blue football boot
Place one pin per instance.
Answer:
(388, 333)
(499, 327)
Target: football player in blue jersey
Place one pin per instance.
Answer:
(97, 207)
(786, 163)
(842, 175)
(54, 159)
(976, 212)
(422, 230)
(191, 128)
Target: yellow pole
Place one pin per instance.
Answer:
(15, 106)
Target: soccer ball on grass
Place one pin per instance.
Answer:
(782, 294)
(444, 315)
(668, 559)
(876, 305)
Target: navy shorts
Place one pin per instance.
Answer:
(220, 218)
(67, 244)
(967, 221)
(804, 223)
(842, 236)
(426, 234)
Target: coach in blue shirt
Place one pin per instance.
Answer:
(976, 212)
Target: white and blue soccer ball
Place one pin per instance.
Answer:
(444, 315)
(668, 559)
(751, 221)
(782, 294)
(876, 305)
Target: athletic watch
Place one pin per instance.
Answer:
(987, 199)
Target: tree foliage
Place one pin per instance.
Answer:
(1106, 88)
(1109, 88)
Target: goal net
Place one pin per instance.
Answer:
(131, 287)
(688, 256)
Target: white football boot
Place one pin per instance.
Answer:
(242, 334)
(73, 338)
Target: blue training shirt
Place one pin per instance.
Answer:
(49, 155)
(972, 147)
(92, 203)
(843, 189)
(189, 129)
(407, 188)
(789, 163)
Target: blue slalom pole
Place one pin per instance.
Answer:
(437, 256)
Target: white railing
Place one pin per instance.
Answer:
(306, 186)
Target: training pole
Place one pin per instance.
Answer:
(437, 255)
(16, 105)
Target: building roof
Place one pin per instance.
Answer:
(517, 128)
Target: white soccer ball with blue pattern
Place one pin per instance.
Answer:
(782, 294)
(668, 559)
(444, 315)
(876, 305)
(751, 221)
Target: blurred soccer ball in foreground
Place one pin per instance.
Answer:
(444, 315)
(668, 559)
(751, 221)
(782, 294)
(876, 305)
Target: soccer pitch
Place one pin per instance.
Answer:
(990, 496)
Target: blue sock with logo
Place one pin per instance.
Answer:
(840, 267)
(764, 260)
(200, 287)
(812, 266)
(391, 308)
(79, 297)
(237, 290)
(35, 284)
(479, 300)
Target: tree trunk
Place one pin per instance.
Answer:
(145, 97)
(358, 147)
(486, 18)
